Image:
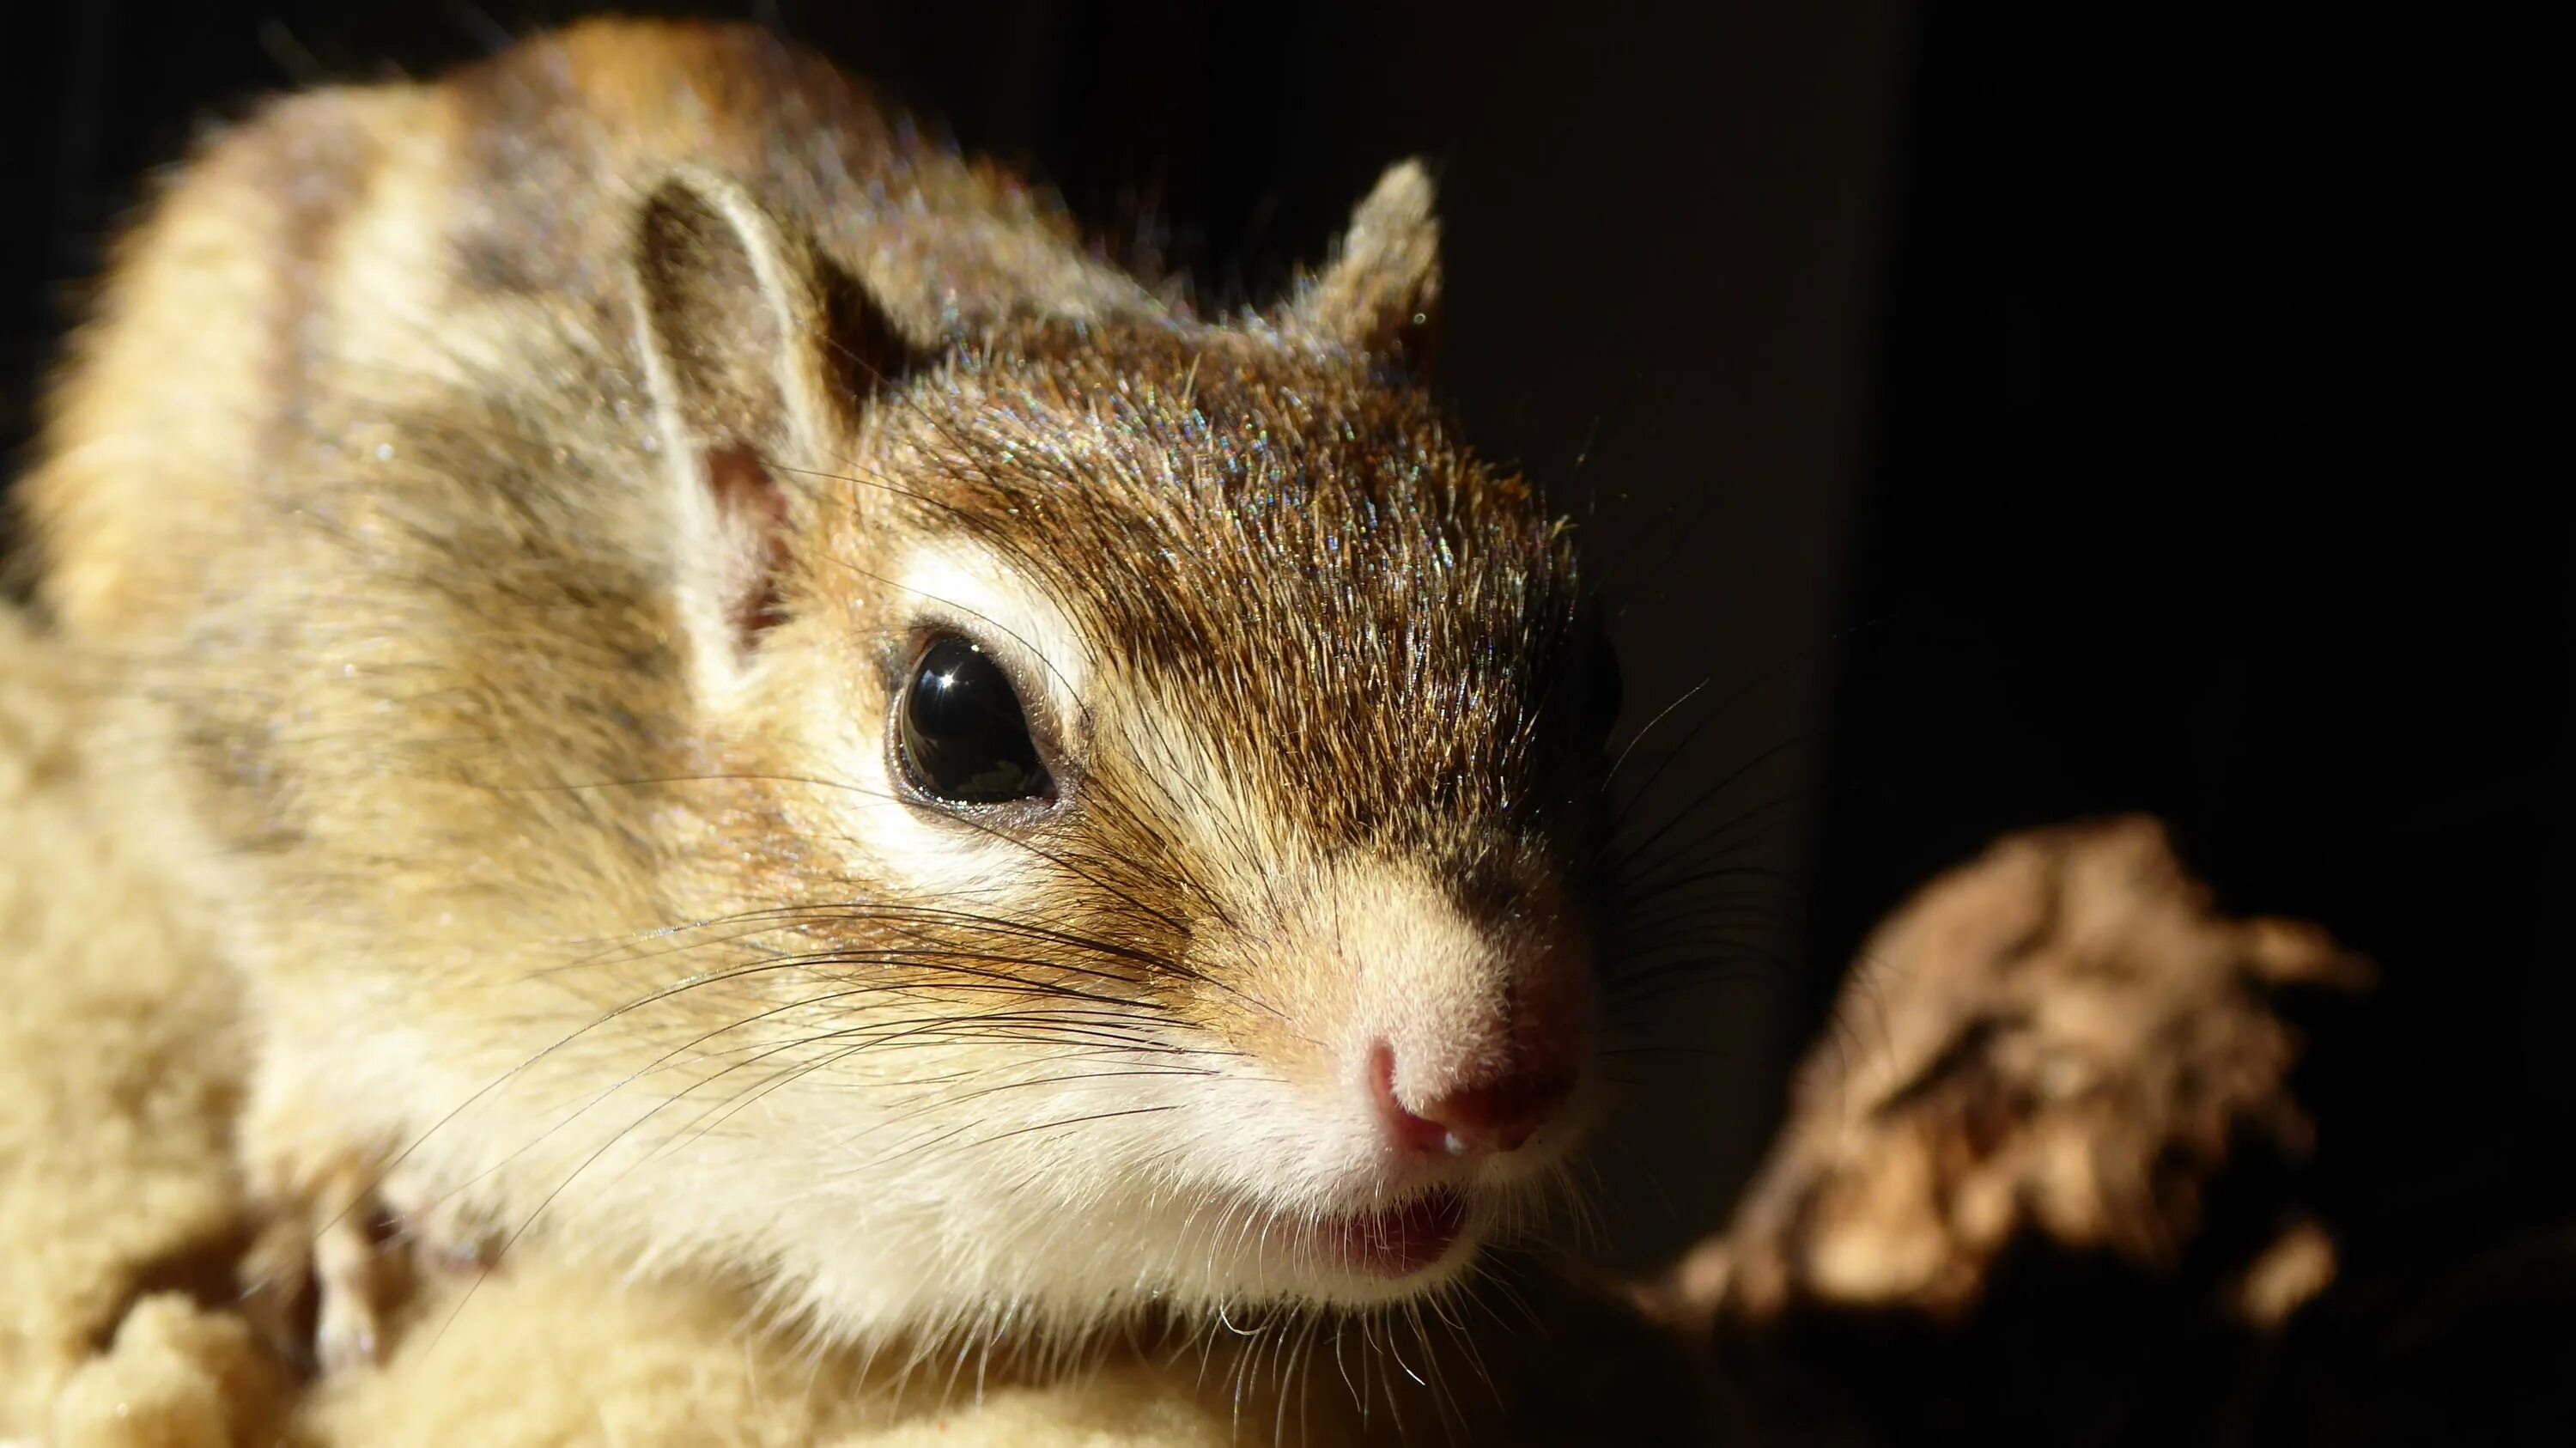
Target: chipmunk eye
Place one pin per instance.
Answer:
(965, 739)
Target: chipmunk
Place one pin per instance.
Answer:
(741, 703)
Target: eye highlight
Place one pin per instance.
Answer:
(961, 731)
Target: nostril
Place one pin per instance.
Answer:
(1496, 1115)
(1411, 1131)
(1500, 1116)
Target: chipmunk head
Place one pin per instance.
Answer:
(1180, 752)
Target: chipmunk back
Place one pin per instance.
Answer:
(744, 705)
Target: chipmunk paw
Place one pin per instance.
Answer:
(334, 1266)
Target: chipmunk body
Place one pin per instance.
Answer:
(743, 705)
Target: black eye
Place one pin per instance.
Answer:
(964, 736)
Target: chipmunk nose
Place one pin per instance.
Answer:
(1496, 1111)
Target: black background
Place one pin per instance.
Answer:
(2004, 413)
(2223, 468)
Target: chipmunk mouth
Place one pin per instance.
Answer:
(1398, 1241)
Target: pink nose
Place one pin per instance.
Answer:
(1498, 1112)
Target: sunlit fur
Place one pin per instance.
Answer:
(367, 484)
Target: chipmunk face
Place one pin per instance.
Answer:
(1184, 755)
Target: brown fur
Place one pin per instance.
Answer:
(121, 1212)
(121, 1071)
(510, 774)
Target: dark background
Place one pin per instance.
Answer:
(2000, 414)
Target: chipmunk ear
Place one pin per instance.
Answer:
(1381, 294)
(755, 352)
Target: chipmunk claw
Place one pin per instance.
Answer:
(346, 1337)
(350, 1279)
